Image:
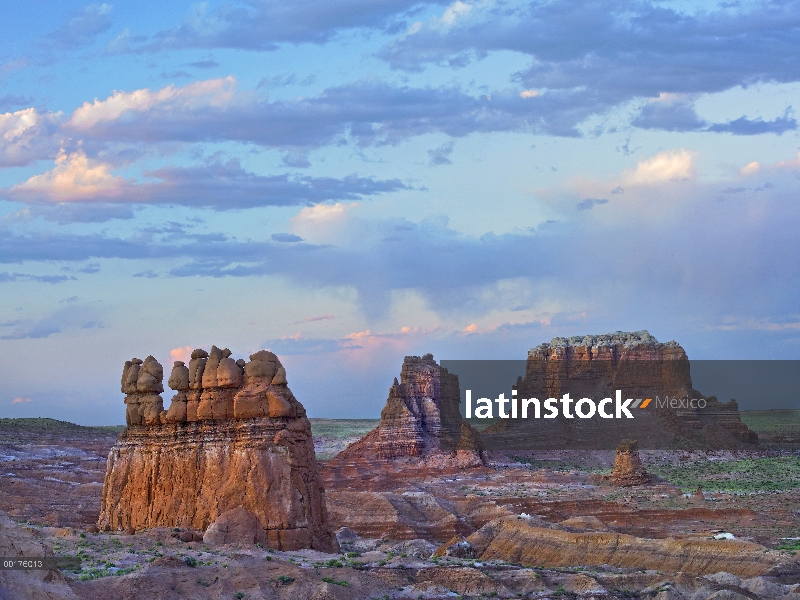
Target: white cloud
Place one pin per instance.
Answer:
(212, 93)
(26, 135)
(750, 168)
(322, 223)
(14, 125)
(529, 93)
(454, 11)
(668, 165)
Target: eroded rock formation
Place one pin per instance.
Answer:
(628, 469)
(426, 397)
(141, 382)
(595, 366)
(516, 540)
(234, 437)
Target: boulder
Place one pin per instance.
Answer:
(196, 367)
(229, 374)
(209, 379)
(179, 378)
(151, 373)
(235, 526)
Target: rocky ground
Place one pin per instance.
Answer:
(51, 477)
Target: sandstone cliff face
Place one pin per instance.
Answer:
(426, 396)
(595, 366)
(233, 437)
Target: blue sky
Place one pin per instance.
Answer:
(346, 183)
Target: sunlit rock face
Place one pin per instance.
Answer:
(233, 437)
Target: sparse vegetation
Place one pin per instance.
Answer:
(744, 476)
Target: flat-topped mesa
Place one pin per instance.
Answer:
(421, 417)
(641, 367)
(594, 364)
(234, 437)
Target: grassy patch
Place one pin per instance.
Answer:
(342, 428)
(749, 475)
(767, 423)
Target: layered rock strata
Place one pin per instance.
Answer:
(233, 437)
(595, 366)
(515, 540)
(426, 397)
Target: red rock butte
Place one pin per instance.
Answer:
(421, 418)
(233, 438)
(593, 366)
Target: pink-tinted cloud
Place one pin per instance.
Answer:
(182, 353)
(74, 178)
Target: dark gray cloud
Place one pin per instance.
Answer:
(83, 28)
(286, 237)
(679, 115)
(590, 203)
(609, 51)
(176, 75)
(676, 115)
(208, 63)
(367, 112)
(441, 155)
(216, 185)
(224, 186)
(10, 101)
(744, 126)
(41, 330)
(70, 317)
(265, 24)
(77, 212)
(8, 277)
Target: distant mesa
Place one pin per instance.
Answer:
(234, 446)
(595, 366)
(421, 419)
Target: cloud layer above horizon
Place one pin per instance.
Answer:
(346, 183)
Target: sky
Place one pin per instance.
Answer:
(346, 183)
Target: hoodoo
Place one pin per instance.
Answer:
(628, 469)
(233, 439)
